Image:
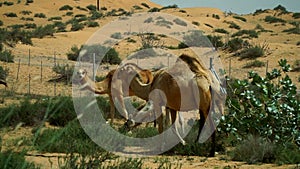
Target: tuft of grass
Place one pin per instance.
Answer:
(10, 159)
(255, 150)
(255, 63)
(272, 19)
(234, 26)
(250, 33)
(252, 52)
(66, 7)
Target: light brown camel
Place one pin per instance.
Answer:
(105, 86)
(166, 89)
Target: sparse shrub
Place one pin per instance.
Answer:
(182, 45)
(40, 15)
(216, 16)
(28, 2)
(76, 26)
(252, 52)
(95, 15)
(11, 14)
(281, 8)
(66, 7)
(27, 19)
(116, 35)
(103, 8)
(155, 9)
(91, 7)
(64, 73)
(240, 18)
(164, 23)
(92, 24)
(55, 18)
(296, 15)
(145, 5)
(258, 11)
(255, 63)
(8, 3)
(169, 7)
(236, 44)
(295, 30)
(148, 20)
(182, 11)
(136, 7)
(208, 25)
(1, 23)
(180, 22)
(42, 31)
(196, 23)
(250, 33)
(221, 30)
(234, 26)
(272, 19)
(195, 38)
(69, 13)
(3, 73)
(30, 25)
(25, 12)
(81, 8)
(60, 26)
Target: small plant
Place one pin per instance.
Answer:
(30, 25)
(103, 8)
(272, 19)
(196, 23)
(6, 56)
(55, 18)
(42, 31)
(234, 26)
(169, 7)
(76, 26)
(155, 9)
(240, 18)
(40, 15)
(252, 52)
(164, 23)
(27, 19)
(29, 2)
(25, 12)
(221, 30)
(180, 22)
(208, 25)
(64, 73)
(60, 26)
(236, 44)
(10, 14)
(10, 159)
(92, 24)
(81, 8)
(8, 3)
(182, 11)
(216, 41)
(148, 20)
(296, 15)
(74, 53)
(95, 15)
(255, 63)
(136, 7)
(66, 7)
(250, 33)
(216, 16)
(69, 13)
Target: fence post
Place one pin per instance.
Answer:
(41, 69)
(267, 65)
(94, 60)
(229, 71)
(29, 77)
(18, 69)
(54, 80)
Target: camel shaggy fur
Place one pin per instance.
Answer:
(165, 90)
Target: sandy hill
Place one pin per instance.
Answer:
(279, 44)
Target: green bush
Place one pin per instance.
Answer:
(25, 12)
(81, 8)
(216, 41)
(40, 15)
(221, 30)
(169, 7)
(95, 15)
(9, 160)
(27, 19)
(30, 25)
(64, 73)
(252, 52)
(74, 53)
(8, 3)
(66, 7)
(3, 73)
(272, 19)
(6, 56)
(28, 2)
(208, 25)
(69, 13)
(216, 16)
(60, 26)
(264, 106)
(155, 9)
(255, 63)
(55, 18)
(136, 7)
(116, 35)
(236, 44)
(10, 14)
(196, 23)
(240, 18)
(92, 24)
(76, 26)
(234, 26)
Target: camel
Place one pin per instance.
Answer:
(164, 90)
(105, 85)
(3, 83)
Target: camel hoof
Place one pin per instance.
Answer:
(183, 143)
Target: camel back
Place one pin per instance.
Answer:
(195, 65)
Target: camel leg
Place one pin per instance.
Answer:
(112, 109)
(174, 126)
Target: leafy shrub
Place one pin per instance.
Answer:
(74, 53)
(236, 44)
(272, 19)
(255, 63)
(42, 31)
(9, 159)
(264, 106)
(66, 7)
(60, 26)
(234, 26)
(216, 16)
(145, 5)
(169, 7)
(287, 154)
(296, 15)
(221, 30)
(295, 30)
(103, 8)
(3, 73)
(240, 18)
(95, 15)
(10, 14)
(8, 3)
(136, 7)
(28, 2)
(250, 33)
(255, 149)
(27, 19)
(69, 13)
(81, 8)
(91, 7)
(40, 15)
(76, 26)
(30, 25)
(180, 22)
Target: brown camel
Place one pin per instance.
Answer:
(106, 86)
(165, 90)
